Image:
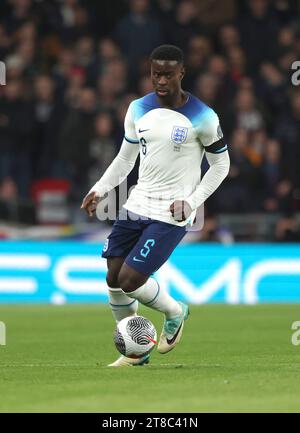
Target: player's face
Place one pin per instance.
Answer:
(166, 78)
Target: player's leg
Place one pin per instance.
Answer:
(123, 237)
(121, 305)
(147, 291)
(150, 252)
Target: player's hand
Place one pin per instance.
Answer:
(90, 202)
(180, 210)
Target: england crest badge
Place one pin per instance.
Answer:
(179, 136)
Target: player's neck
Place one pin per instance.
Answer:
(176, 102)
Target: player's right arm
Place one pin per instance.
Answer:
(118, 169)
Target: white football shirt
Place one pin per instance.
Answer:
(171, 144)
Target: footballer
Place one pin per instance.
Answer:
(171, 130)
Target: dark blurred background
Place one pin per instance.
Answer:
(73, 67)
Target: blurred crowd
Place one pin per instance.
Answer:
(72, 68)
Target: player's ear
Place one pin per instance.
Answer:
(182, 72)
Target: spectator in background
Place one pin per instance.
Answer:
(112, 84)
(237, 63)
(206, 89)
(16, 137)
(48, 114)
(229, 37)
(107, 51)
(117, 69)
(259, 28)
(286, 40)
(198, 53)
(59, 74)
(213, 13)
(285, 61)
(257, 146)
(107, 92)
(22, 11)
(76, 82)
(102, 148)
(244, 114)
(286, 11)
(138, 33)
(85, 52)
(287, 131)
(76, 132)
(8, 198)
(74, 21)
(5, 42)
(272, 87)
(297, 42)
(183, 26)
(28, 56)
(62, 68)
(14, 67)
(287, 229)
(26, 33)
(241, 188)
(251, 114)
(164, 9)
(145, 85)
(271, 171)
(218, 67)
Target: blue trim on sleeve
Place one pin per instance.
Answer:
(221, 150)
(143, 105)
(195, 110)
(130, 140)
(216, 147)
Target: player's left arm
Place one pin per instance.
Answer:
(219, 164)
(219, 167)
(216, 152)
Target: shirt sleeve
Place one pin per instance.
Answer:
(211, 137)
(209, 130)
(129, 126)
(118, 170)
(218, 170)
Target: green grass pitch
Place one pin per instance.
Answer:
(230, 359)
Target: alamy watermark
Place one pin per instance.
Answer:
(295, 339)
(148, 206)
(2, 74)
(2, 334)
(296, 75)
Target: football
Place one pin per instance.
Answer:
(135, 336)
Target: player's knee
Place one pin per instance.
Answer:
(128, 283)
(112, 280)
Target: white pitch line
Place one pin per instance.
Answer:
(46, 365)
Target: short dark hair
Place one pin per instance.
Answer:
(167, 52)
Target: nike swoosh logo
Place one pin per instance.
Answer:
(143, 130)
(175, 336)
(138, 260)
